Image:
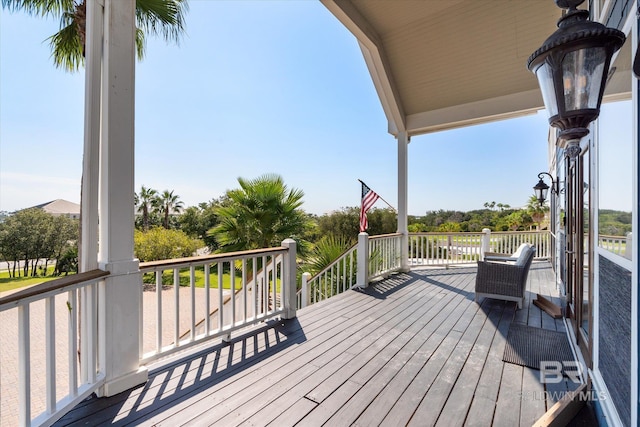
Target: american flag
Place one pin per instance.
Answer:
(369, 197)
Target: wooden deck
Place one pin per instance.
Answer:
(414, 349)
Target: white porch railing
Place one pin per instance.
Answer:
(336, 278)
(617, 244)
(463, 248)
(384, 255)
(508, 242)
(238, 289)
(66, 329)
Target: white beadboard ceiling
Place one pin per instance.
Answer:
(440, 64)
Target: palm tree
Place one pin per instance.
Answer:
(156, 17)
(146, 201)
(260, 214)
(536, 211)
(169, 204)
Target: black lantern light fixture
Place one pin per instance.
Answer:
(572, 68)
(541, 189)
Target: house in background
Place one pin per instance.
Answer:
(60, 207)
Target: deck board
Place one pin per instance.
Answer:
(412, 349)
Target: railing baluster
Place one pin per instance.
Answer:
(275, 260)
(24, 366)
(265, 286)
(192, 285)
(176, 307)
(207, 298)
(254, 288)
(220, 298)
(141, 320)
(158, 311)
(92, 328)
(73, 342)
(232, 275)
(244, 289)
(50, 333)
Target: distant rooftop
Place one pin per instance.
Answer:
(60, 207)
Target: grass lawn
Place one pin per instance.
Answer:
(9, 283)
(167, 279)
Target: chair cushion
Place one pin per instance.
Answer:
(522, 258)
(520, 249)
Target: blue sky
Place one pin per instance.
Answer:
(254, 87)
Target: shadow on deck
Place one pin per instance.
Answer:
(414, 349)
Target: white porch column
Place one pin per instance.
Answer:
(120, 294)
(403, 183)
(88, 248)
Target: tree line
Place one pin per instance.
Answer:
(260, 213)
(32, 235)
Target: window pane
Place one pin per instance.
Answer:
(615, 193)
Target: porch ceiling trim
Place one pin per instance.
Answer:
(375, 58)
(515, 105)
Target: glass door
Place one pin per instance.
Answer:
(578, 258)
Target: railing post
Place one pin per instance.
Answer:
(486, 242)
(289, 279)
(362, 280)
(305, 289)
(628, 249)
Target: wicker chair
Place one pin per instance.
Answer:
(505, 281)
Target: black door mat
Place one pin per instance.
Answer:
(528, 346)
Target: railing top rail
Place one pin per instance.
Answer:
(228, 256)
(457, 233)
(521, 232)
(444, 233)
(609, 236)
(53, 285)
(382, 236)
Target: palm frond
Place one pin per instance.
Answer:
(39, 7)
(162, 17)
(141, 43)
(67, 47)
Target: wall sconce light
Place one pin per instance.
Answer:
(541, 188)
(572, 68)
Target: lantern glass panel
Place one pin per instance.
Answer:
(582, 72)
(545, 80)
(541, 194)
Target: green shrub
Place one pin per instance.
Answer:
(159, 243)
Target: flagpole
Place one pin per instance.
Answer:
(380, 197)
